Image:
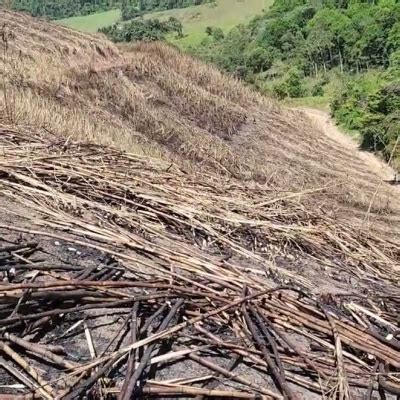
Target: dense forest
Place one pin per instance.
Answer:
(310, 39)
(57, 9)
(299, 46)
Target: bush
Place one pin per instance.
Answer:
(258, 60)
(216, 33)
(279, 90)
(294, 83)
(130, 12)
(318, 89)
(371, 105)
(148, 30)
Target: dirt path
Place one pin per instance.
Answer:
(323, 121)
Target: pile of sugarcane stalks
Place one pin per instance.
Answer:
(189, 302)
(135, 200)
(234, 336)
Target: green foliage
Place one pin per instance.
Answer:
(316, 39)
(290, 86)
(314, 36)
(151, 5)
(371, 104)
(318, 89)
(209, 30)
(294, 84)
(134, 8)
(57, 9)
(147, 30)
(130, 11)
(258, 59)
(216, 33)
(279, 89)
(174, 25)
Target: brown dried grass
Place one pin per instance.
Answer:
(145, 199)
(151, 99)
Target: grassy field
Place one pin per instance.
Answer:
(223, 13)
(91, 23)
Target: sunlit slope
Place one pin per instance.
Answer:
(223, 13)
(92, 22)
(151, 99)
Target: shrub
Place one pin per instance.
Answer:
(279, 90)
(258, 60)
(294, 83)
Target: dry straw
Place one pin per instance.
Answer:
(199, 252)
(217, 248)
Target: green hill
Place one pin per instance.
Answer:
(92, 22)
(224, 14)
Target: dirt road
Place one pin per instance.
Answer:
(323, 121)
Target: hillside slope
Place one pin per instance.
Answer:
(224, 14)
(91, 22)
(162, 226)
(150, 98)
(111, 234)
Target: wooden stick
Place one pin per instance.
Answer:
(285, 339)
(270, 339)
(251, 355)
(184, 324)
(132, 354)
(344, 393)
(180, 390)
(234, 377)
(368, 394)
(287, 393)
(44, 388)
(130, 388)
(214, 383)
(29, 245)
(384, 384)
(112, 304)
(88, 383)
(17, 374)
(40, 351)
(194, 391)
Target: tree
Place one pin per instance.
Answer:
(393, 40)
(259, 59)
(147, 30)
(294, 83)
(326, 37)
